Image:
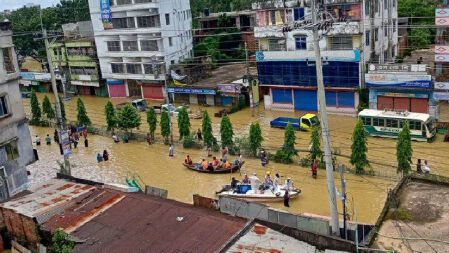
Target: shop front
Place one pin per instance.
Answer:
(192, 95)
(116, 88)
(441, 96)
(230, 94)
(404, 91)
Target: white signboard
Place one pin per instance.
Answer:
(441, 85)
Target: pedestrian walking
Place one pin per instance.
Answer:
(419, 166)
(99, 158)
(48, 139)
(115, 138)
(286, 199)
(75, 143)
(105, 155)
(199, 135)
(263, 158)
(56, 136)
(314, 168)
(38, 140)
(171, 151)
(76, 136)
(85, 133)
(148, 139)
(209, 151)
(426, 168)
(86, 143)
(125, 138)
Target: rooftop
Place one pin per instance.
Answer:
(395, 114)
(47, 199)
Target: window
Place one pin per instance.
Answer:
(378, 122)
(385, 4)
(172, 62)
(12, 152)
(142, 1)
(301, 43)
(366, 121)
(152, 68)
(392, 123)
(298, 14)
(415, 125)
(123, 23)
(167, 18)
(113, 46)
(341, 43)
(273, 17)
(275, 45)
(394, 25)
(133, 68)
(8, 60)
(385, 31)
(376, 6)
(122, 2)
(376, 34)
(117, 68)
(394, 3)
(4, 110)
(367, 8)
(170, 41)
(130, 45)
(148, 21)
(367, 37)
(148, 45)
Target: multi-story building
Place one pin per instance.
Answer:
(441, 86)
(137, 41)
(16, 150)
(362, 31)
(76, 59)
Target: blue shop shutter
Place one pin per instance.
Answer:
(226, 101)
(305, 100)
(345, 99)
(282, 96)
(331, 98)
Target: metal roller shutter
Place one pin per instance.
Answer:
(305, 100)
(117, 90)
(385, 103)
(402, 104)
(419, 105)
(282, 96)
(345, 99)
(443, 111)
(331, 98)
(154, 92)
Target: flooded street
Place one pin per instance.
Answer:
(155, 168)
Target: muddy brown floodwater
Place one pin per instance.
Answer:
(155, 168)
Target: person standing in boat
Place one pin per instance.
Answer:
(267, 182)
(288, 185)
(255, 183)
(277, 181)
(215, 163)
(245, 179)
(188, 161)
(224, 154)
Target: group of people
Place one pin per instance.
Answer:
(74, 137)
(422, 168)
(115, 138)
(272, 184)
(215, 164)
(104, 157)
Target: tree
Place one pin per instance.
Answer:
(315, 149)
(47, 109)
(404, 150)
(207, 130)
(83, 119)
(183, 123)
(152, 121)
(35, 109)
(255, 138)
(111, 117)
(289, 141)
(420, 38)
(226, 132)
(359, 148)
(128, 118)
(61, 105)
(61, 242)
(165, 126)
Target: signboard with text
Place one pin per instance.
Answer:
(105, 13)
(398, 80)
(191, 91)
(229, 88)
(441, 86)
(397, 68)
(441, 96)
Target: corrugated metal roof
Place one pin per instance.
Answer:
(141, 223)
(47, 199)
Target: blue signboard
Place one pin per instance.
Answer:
(191, 91)
(398, 80)
(106, 17)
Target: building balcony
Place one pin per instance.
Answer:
(275, 4)
(127, 5)
(75, 77)
(341, 1)
(268, 32)
(351, 27)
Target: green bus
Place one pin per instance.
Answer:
(388, 124)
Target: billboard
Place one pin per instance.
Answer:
(398, 80)
(106, 17)
(397, 67)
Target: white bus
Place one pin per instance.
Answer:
(389, 123)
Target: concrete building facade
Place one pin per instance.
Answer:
(441, 86)
(138, 40)
(362, 31)
(16, 149)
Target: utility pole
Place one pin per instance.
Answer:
(343, 200)
(251, 102)
(324, 125)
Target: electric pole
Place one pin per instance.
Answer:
(343, 200)
(324, 124)
(251, 102)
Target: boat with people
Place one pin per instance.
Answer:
(197, 167)
(244, 191)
